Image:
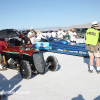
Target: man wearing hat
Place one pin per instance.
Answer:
(49, 35)
(54, 34)
(31, 36)
(25, 39)
(72, 35)
(93, 45)
(60, 33)
(39, 36)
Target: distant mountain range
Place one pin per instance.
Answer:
(88, 25)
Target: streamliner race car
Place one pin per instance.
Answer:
(29, 60)
(62, 46)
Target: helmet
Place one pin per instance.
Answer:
(95, 23)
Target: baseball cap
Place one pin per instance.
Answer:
(31, 28)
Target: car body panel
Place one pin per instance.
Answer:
(42, 45)
(62, 46)
(16, 50)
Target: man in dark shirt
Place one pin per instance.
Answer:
(26, 43)
(25, 39)
(2, 46)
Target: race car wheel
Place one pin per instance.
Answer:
(25, 69)
(53, 63)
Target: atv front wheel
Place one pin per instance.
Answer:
(53, 63)
(25, 69)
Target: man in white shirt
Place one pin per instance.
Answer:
(53, 34)
(31, 36)
(69, 31)
(49, 35)
(39, 36)
(60, 33)
(73, 36)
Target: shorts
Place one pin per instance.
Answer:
(96, 54)
(0, 58)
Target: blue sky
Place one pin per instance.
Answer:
(19, 14)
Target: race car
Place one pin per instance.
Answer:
(27, 60)
(62, 46)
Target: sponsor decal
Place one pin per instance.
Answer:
(84, 52)
(80, 52)
(67, 50)
(76, 51)
(64, 50)
(60, 50)
(71, 51)
(42, 45)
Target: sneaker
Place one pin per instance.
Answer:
(98, 71)
(91, 71)
(2, 96)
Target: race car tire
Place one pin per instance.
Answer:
(25, 69)
(54, 62)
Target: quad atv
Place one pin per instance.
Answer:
(28, 60)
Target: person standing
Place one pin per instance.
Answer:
(92, 45)
(39, 36)
(25, 39)
(31, 36)
(49, 35)
(73, 36)
(2, 46)
(60, 33)
(53, 34)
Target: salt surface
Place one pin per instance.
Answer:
(70, 82)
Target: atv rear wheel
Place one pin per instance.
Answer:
(53, 63)
(25, 69)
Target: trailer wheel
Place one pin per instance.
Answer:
(54, 63)
(25, 69)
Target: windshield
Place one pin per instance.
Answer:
(54, 39)
(50, 40)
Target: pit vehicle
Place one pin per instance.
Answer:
(81, 32)
(27, 60)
